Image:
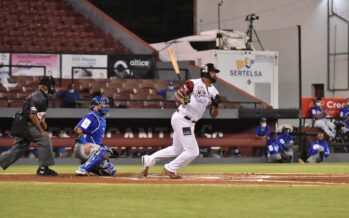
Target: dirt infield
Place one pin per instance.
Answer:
(192, 178)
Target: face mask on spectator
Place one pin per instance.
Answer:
(263, 124)
(318, 104)
(71, 90)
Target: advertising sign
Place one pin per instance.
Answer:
(331, 106)
(88, 63)
(33, 64)
(132, 66)
(255, 72)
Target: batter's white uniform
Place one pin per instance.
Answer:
(184, 144)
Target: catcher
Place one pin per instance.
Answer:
(93, 155)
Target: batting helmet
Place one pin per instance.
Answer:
(206, 69)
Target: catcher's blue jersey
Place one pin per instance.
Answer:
(93, 125)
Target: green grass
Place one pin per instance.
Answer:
(77, 200)
(214, 168)
(120, 200)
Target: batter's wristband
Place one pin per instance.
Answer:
(83, 140)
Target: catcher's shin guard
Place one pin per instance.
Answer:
(96, 159)
(105, 169)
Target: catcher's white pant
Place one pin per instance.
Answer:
(184, 145)
(327, 126)
(314, 158)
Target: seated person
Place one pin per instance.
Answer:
(318, 150)
(274, 150)
(320, 120)
(4, 76)
(262, 132)
(344, 111)
(286, 141)
(70, 98)
(169, 93)
(345, 128)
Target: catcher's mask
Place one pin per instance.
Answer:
(99, 100)
(50, 83)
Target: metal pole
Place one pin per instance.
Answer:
(300, 86)
(328, 45)
(219, 24)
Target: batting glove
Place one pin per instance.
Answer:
(186, 100)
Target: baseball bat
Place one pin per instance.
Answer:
(174, 63)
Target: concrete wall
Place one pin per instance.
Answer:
(277, 30)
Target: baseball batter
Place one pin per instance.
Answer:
(194, 96)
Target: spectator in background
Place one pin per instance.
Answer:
(169, 93)
(320, 120)
(286, 141)
(318, 150)
(274, 150)
(262, 132)
(344, 111)
(4, 76)
(70, 98)
(5, 134)
(62, 151)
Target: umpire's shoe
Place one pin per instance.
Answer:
(45, 171)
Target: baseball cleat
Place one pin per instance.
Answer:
(144, 170)
(172, 175)
(45, 171)
(81, 171)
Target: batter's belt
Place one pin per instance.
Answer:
(186, 117)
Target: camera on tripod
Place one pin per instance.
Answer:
(251, 17)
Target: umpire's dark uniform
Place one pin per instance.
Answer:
(36, 103)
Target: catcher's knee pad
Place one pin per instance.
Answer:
(79, 151)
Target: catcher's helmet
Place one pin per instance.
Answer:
(98, 100)
(50, 83)
(206, 69)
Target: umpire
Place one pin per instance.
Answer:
(29, 126)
